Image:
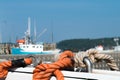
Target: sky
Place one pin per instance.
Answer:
(64, 19)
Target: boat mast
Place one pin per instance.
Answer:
(0, 38)
(29, 21)
(27, 33)
(34, 31)
(0, 35)
(52, 31)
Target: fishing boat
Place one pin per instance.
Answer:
(30, 49)
(27, 46)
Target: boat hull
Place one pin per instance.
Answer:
(18, 51)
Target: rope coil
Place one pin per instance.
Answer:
(45, 71)
(68, 59)
(94, 56)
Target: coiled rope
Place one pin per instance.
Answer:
(5, 66)
(95, 57)
(66, 60)
(45, 71)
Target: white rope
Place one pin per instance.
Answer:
(94, 56)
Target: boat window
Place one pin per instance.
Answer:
(27, 46)
(23, 46)
(40, 46)
(37, 47)
(33, 46)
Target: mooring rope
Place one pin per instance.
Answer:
(45, 71)
(66, 59)
(95, 57)
(6, 65)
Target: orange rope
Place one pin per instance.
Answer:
(28, 61)
(45, 71)
(4, 66)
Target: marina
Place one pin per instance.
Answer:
(59, 40)
(107, 66)
(26, 45)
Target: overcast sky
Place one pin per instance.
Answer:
(66, 19)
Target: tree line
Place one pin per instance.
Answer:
(85, 44)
